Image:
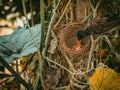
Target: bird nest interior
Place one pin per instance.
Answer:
(69, 42)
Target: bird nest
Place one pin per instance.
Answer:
(68, 40)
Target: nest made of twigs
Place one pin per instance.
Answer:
(68, 39)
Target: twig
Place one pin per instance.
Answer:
(80, 87)
(68, 60)
(39, 55)
(92, 68)
(96, 8)
(62, 14)
(91, 5)
(35, 84)
(91, 52)
(71, 12)
(41, 46)
(56, 63)
(108, 41)
(78, 81)
(93, 42)
(50, 26)
(33, 38)
(31, 11)
(17, 70)
(42, 18)
(14, 73)
(111, 47)
(87, 17)
(98, 4)
(61, 88)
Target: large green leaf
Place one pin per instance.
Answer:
(20, 43)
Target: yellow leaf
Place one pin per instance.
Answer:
(105, 79)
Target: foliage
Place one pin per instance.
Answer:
(53, 68)
(104, 79)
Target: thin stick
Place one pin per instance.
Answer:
(91, 5)
(91, 52)
(39, 55)
(51, 26)
(31, 11)
(25, 13)
(93, 42)
(87, 17)
(111, 47)
(56, 62)
(62, 14)
(42, 24)
(17, 70)
(96, 8)
(15, 74)
(69, 62)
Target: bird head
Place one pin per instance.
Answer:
(80, 34)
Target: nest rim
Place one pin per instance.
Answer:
(72, 29)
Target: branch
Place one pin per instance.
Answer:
(35, 42)
(15, 74)
(56, 63)
(51, 26)
(62, 14)
(42, 18)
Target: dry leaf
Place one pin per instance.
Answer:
(105, 79)
(53, 45)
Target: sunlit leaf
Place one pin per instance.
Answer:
(105, 79)
(20, 43)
